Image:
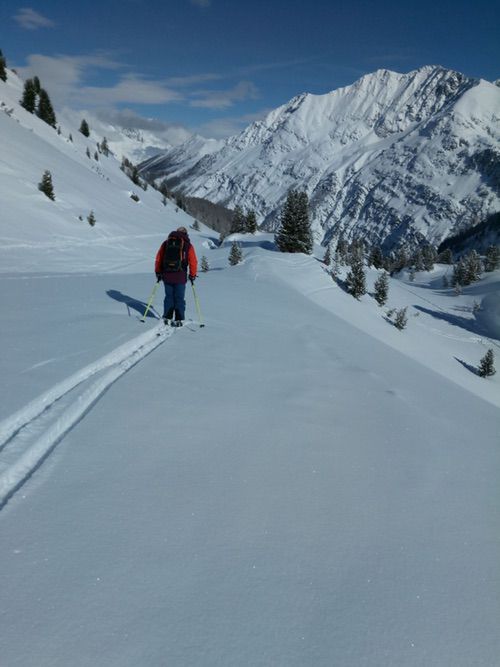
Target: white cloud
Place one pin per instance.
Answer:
(130, 89)
(222, 99)
(64, 78)
(29, 19)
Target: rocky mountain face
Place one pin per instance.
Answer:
(393, 158)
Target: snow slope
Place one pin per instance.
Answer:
(297, 483)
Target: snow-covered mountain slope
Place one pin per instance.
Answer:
(266, 490)
(269, 489)
(31, 225)
(391, 158)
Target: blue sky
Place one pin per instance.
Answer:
(213, 66)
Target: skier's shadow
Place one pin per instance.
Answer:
(131, 303)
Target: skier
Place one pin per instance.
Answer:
(175, 256)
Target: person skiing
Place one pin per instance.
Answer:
(173, 260)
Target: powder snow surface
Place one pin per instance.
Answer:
(296, 484)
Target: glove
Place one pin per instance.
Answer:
(158, 277)
(192, 279)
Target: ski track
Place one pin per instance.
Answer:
(29, 435)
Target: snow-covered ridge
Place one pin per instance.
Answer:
(393, 158)
(84, 180)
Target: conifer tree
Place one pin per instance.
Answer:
(3, 65)
(45, 110)
(429, 256)
(196, 225)
(46, 186)
(401, 319)
(205, 266)
(446, 257)
(473, 267)
(381, 289)
(251, 222)
(238, 222)
(487, 365)
(28, 100)
(88, 152)
(418, 261)
(376, 257)
(342, 251)
(36, 85)
(84, 128)
(327, 257)
(91, 218)
(492, 258)
(104, 147)
(294, 233)
(235, 255)
(356, 280)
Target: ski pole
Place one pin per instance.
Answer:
(197, 303)
(143, 319)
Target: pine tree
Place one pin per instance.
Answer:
(104, 148)
(235, 255)
(327, 257)
(418, 261)
(28, 100)
(84, 128)
(3, 65)
(46, 185)
(88, 152)
(446, 257)
(401, 319)
(487, 365)
(356, 280)
(196, 225)
(381, 289)
(294, 233)
(473, 267)
(45, 110)
(342, 251)
(492, 258)
(238, 222)
(36, 85)
(429, 256)
(251, 222)
(205, 266)
(91, 218)
(376, 257)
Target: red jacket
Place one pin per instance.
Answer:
(189, 261)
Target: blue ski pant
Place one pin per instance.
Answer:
(175, 299)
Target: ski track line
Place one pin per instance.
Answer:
(122, 359)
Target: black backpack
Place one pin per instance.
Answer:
(174, 254)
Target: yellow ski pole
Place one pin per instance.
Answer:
(197, 303)
(143, 319)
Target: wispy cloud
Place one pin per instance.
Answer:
(65, 76)
(221, 128)
(222, 99)
(29, 19)
(131, 89)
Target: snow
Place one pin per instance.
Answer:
(297, 483)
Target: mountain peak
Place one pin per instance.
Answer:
(393, 157)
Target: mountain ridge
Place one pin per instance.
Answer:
(395, 158)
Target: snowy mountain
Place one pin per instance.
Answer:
(392, 158)
(32, 225)
(131, 136)
(298, 483)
